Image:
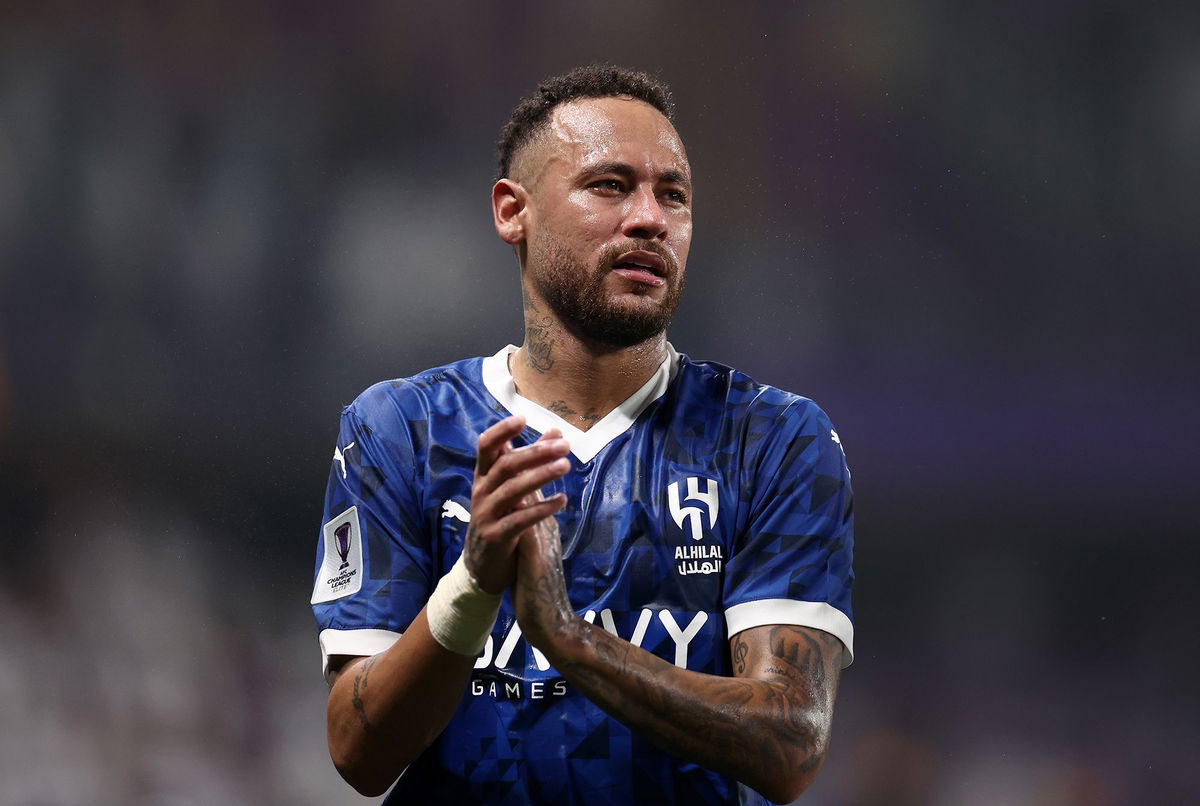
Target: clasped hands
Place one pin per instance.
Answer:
(513, 539)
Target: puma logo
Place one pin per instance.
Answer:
(453, 509)
(339, 456)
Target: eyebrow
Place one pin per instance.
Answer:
(624, 169)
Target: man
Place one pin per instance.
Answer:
(666, 543)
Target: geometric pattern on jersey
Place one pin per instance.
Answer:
(704, 505)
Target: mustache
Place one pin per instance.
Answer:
(609, 257)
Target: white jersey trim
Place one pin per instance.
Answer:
(584, 444)
(818, 615)
(353, 642)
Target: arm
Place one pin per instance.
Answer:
(768, 727)
(383, 711)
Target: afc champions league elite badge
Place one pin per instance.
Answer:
(342, 568)
(342, 533)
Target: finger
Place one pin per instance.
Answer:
(493, 442)
(511, 526)
(502, 534)
(515, 489)
(518, 460)
(533, 498)
(518, 493)
(507, 447)
(513, 478)
(514, 462)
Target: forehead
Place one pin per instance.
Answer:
(604, 130)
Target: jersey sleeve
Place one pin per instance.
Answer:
(792, 560)
(374, 562)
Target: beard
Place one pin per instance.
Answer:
(578, 299)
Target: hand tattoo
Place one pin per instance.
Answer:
(472, 548)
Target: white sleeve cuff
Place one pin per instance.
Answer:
(818, 615)
(353, 642)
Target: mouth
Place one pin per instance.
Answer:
(641, 266)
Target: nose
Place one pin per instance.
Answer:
(645, 218)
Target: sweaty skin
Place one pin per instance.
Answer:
(767, 727)
(383, 711)
(607, 177)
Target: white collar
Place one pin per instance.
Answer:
(584, 444)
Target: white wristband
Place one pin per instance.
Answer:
(460, 613)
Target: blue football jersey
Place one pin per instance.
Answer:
(704, 505)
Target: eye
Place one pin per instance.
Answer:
(675, 196)
(608, 185)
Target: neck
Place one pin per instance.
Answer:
(579, 380)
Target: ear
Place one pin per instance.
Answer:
(509, 203)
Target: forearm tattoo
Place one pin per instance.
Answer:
(740, 651)
(545, 595)
(360, 686)
(749, 728)
(804, 663)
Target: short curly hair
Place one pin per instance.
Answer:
(594, 81)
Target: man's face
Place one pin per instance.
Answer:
(610, 218)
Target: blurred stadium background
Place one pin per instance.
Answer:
(969, 232)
